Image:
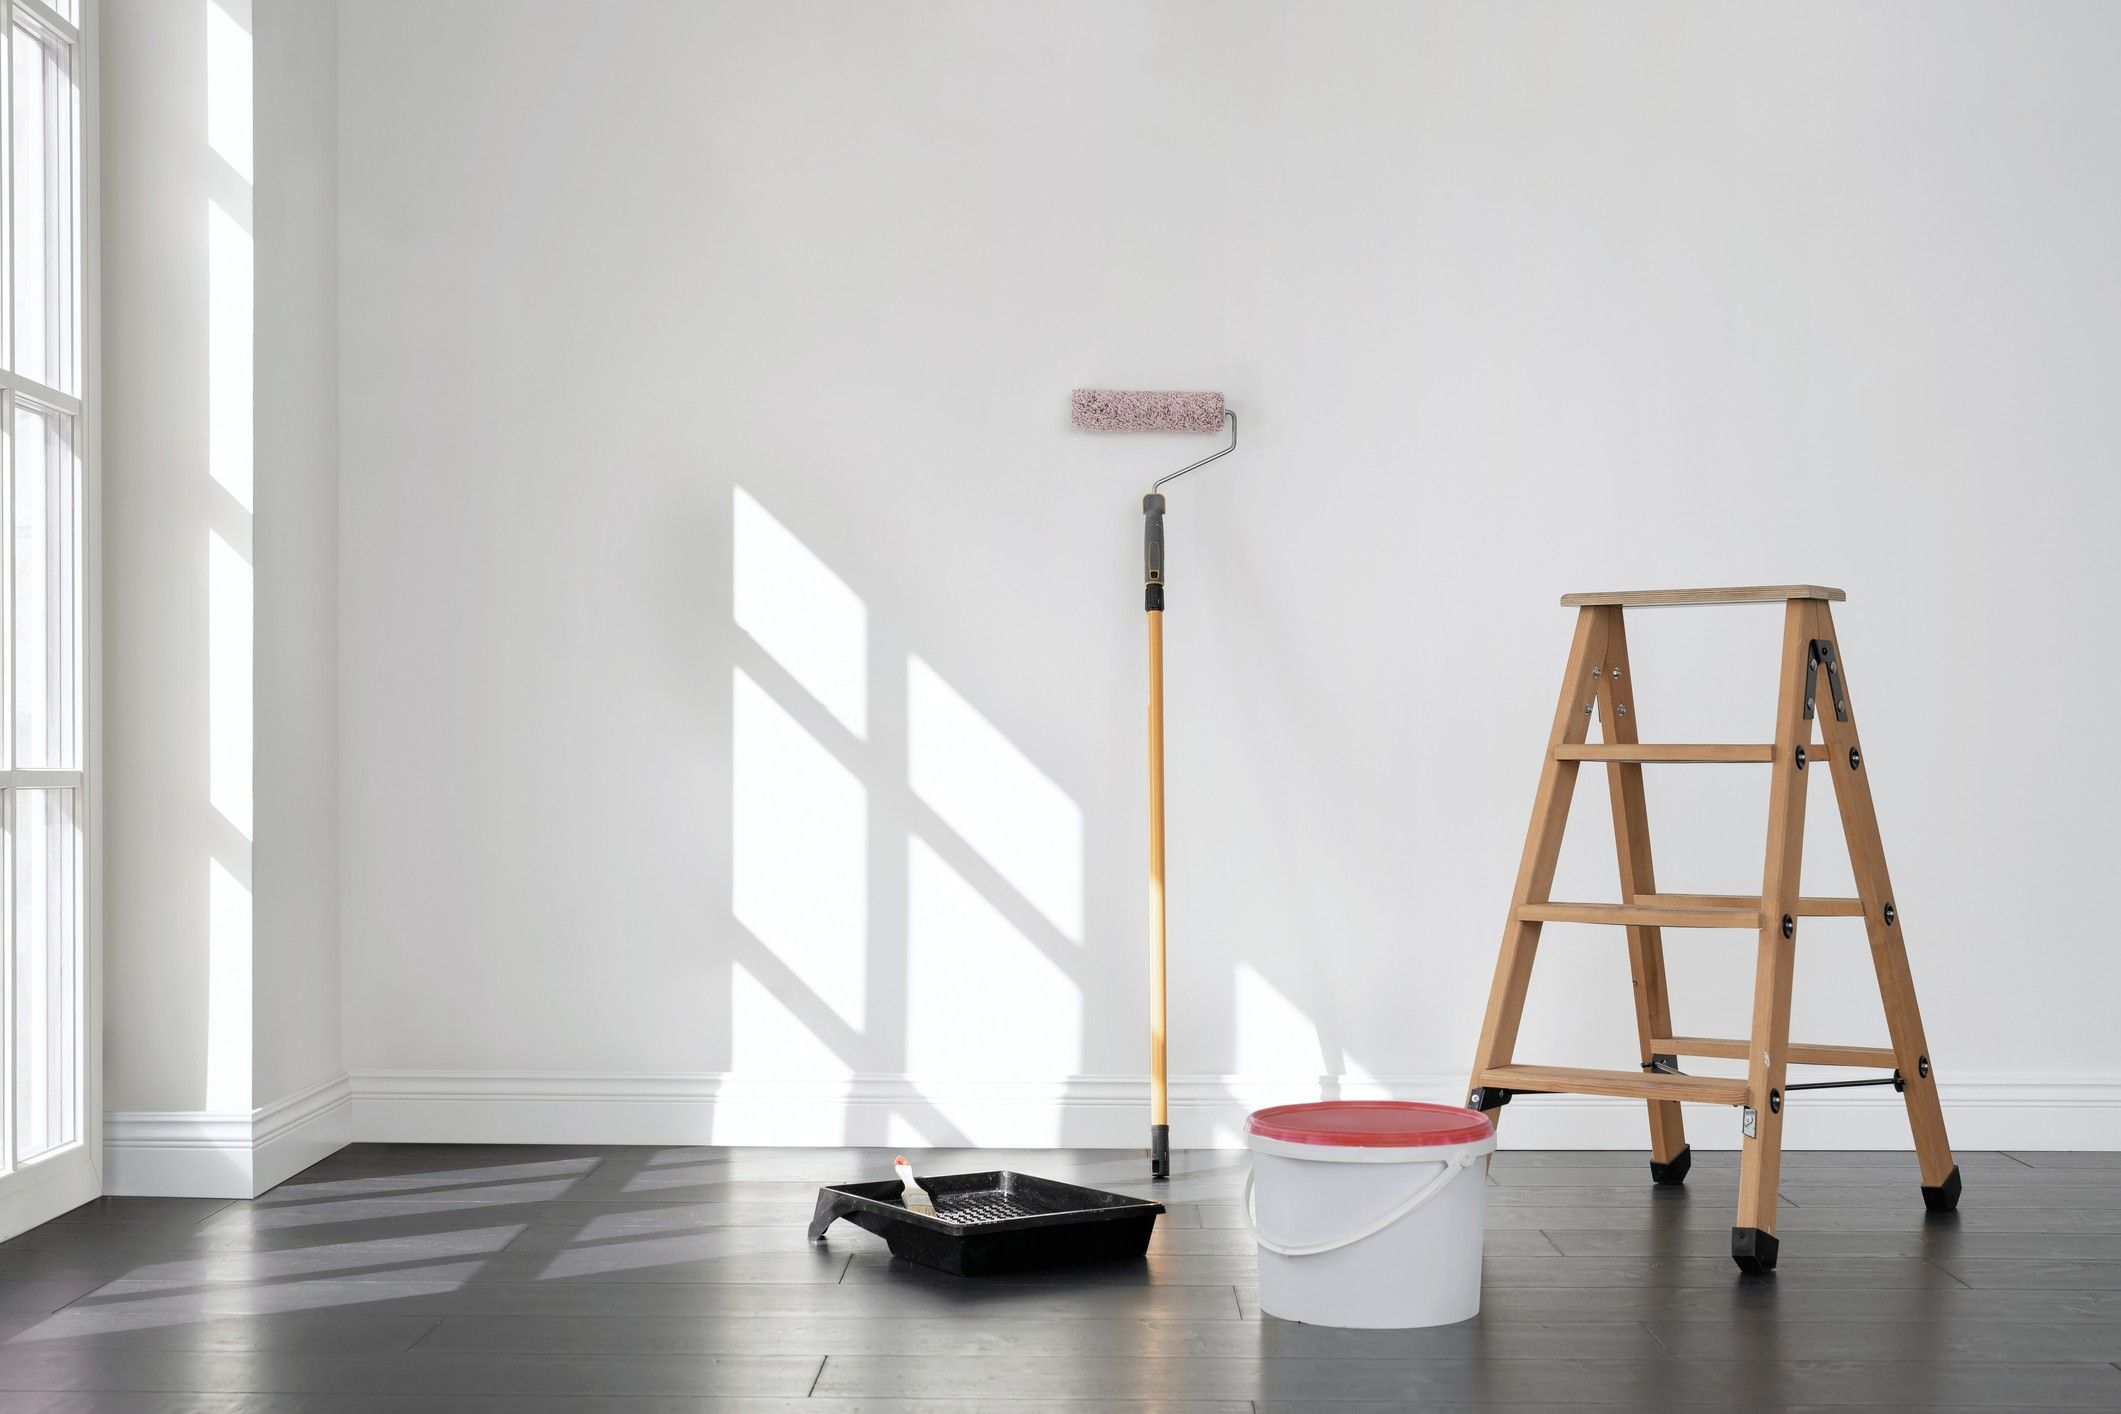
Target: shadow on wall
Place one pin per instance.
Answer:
(908, 888)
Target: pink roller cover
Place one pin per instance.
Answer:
(1110, 410)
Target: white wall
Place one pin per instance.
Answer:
(740, 660)
(160, 501)
(223, 1070)
(295, 1024)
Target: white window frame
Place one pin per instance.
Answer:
(37, 1189)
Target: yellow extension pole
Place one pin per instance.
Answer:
(1159, 1073)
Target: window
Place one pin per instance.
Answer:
(41, 765)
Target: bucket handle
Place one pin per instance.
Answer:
(1421, 1195)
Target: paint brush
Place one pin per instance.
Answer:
(915, 1197)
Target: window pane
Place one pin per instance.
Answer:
(43, 112)
(47, 979)
(44, 589)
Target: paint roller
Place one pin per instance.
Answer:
(1110, 410)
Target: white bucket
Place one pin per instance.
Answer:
(1381, 1235)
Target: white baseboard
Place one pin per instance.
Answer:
(303, 1129)
(177, 1154)
(47, 1186)
(200, 1154)
(205, 1155)
(533, 1107)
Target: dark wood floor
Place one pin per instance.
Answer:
(402, 1279)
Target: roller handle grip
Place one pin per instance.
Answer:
(1153, 550)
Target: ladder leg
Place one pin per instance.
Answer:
(1614, 680)
(1753, 1241)
(1896, 985)
(1535, 871)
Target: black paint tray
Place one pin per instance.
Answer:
(987, 1223)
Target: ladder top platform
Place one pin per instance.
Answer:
(1734, 594)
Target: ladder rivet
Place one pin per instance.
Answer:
(1622, 709)
(1892, 915)
(1855, 759)
(1774, 1102)
(1598, 672)
(1922, 1066)
(1616, 672)
(1801, 758)
(1789, 926)
(1586, 709)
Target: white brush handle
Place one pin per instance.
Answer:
(915, 1197)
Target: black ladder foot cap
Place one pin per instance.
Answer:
(1753, 1250)
(1672, 1174)
(1159, 1151)
(1944, 1198)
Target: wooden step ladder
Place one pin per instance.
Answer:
(1814, 687)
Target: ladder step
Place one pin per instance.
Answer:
(1683, 911)
(1646, 914)
(1630, 1084)
(1653, 751)
(1806, 907)
(1734, 1049)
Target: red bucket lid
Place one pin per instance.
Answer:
(1370, 1124)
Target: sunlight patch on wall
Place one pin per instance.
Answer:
(981, 998)
(1358, 1080)
(990, 793)
(229, 704)
(801, 613)
(228, 85)
(799, 851)
(1274, 1039)
(768, 1039)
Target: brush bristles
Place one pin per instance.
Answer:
(1112, 410)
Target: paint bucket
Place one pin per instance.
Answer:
(1368, 1213)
